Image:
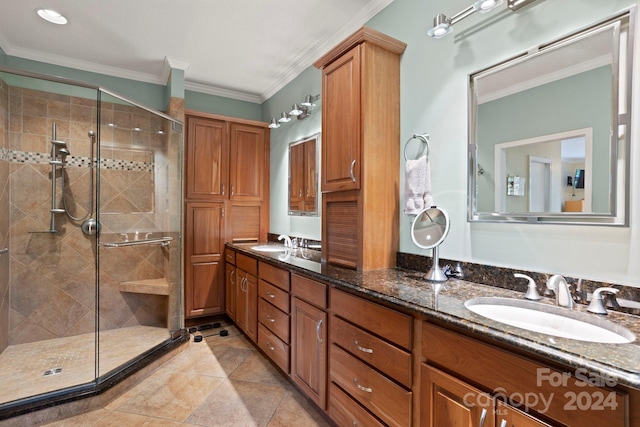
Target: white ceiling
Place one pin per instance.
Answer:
(242, 49)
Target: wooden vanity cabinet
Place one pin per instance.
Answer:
(370, 360)
(274, 305)
(309, 338)
(499, 373)
(360, 150)
(247, 295)
(226, 200)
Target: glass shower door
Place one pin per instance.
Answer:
(139, 209)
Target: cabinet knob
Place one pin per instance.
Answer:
(271, 319)
(503, 423)
(270, 295)
(223, 189)
(269, 346)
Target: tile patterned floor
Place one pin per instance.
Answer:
(22, 366)
(221, 381)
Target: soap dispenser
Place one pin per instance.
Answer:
(532, 289)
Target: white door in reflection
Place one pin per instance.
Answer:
(539, 184)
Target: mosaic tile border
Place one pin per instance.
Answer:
(74, 161)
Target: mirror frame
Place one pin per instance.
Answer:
(315, 212)
(620, 161)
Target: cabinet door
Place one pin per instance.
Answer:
(296, 177)
(204, 286)
(508, 416)
(230, 291)
(247, 303)
(309, 350)
(247, 159)
(310, 174)
(341, 134)
(207, 153)
(447, 401)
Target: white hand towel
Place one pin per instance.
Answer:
(428, 198)
(415, 185)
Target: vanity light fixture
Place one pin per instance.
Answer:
(443, 25)
(301, 111)
(517, 4)
(51, 16)
(284, 118)
(274, 124)
(295, 110)
(309, 101)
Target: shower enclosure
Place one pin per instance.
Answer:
(90, 232)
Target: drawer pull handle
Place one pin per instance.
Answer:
(269, 346)
(271, 319)
(503, 423)
(353, 177)
(270, 295)
(363, 388)
(483, 416)
(222, 189)
(232, 277)
(318, 330)
(362, 349)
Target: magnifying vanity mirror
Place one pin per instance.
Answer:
(428, 231)
(549, 131)
(303, 176)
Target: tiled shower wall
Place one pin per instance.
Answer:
(52, 281)
(4, 215)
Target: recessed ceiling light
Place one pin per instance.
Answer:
(51, 16)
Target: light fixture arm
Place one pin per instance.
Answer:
(461, 15)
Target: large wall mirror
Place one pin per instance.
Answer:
(303, 176)
(549, 131)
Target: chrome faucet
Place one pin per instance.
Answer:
(560, 287)
(287, 240)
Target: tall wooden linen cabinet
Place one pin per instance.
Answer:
(361, 150)
(227, 200)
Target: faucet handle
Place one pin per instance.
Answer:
(597, 305)
(532, 289)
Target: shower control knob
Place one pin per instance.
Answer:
(90, 227)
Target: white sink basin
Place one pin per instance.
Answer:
(550, 320)
(270, 248)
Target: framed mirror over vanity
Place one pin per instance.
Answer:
(549, 130)
(303, 176)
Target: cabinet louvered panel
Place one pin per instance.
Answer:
(342, 232)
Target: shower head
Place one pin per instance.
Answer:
(63, 151)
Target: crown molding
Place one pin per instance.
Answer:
(226, 93)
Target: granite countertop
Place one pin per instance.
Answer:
(407, 290)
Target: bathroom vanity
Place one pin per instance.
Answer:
(380, 348)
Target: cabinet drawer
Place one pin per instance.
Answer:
(248, 264)
(309, 290)
(273, 347)
(344, 411)
(275, 296)
(274, 275)
(391, 360)
(389, 324)
(387, 400)
(230, 256)
(274, 319)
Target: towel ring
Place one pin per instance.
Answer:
(424, 138)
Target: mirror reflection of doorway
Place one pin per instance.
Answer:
(539, 184)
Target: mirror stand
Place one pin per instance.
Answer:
(435, 273)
